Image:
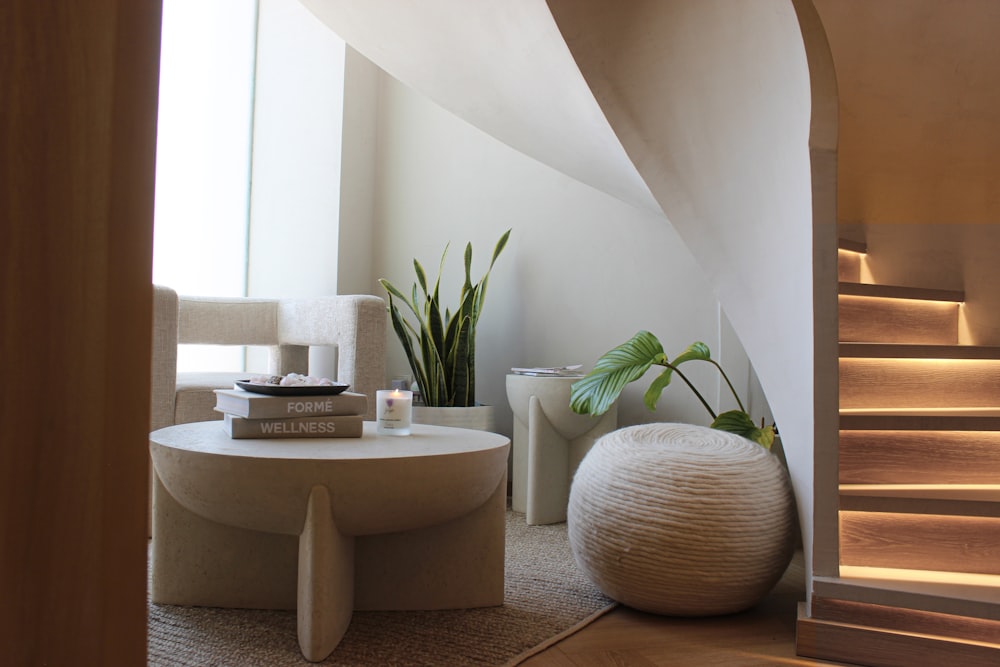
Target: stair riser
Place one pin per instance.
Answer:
(918, 383)
(919, 457)
(920, 542)
(876, 320)
(902, 619)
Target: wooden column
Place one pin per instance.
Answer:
(77, 161)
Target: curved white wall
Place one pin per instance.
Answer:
(711, 100)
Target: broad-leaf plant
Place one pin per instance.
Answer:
(599, 389)
(441, 346)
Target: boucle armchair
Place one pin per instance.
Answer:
(355, 324)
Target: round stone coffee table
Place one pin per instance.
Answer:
(433, 490)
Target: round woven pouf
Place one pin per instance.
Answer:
(681, 520)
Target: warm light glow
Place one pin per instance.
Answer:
(393, 411)
(930, 412)
(921, 576)
(985, 492)
(913, 305)
(901, 363)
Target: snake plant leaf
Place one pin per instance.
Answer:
(468, 265)
(435, 327)
(436, 294)
(484, 281)
(421, 276)
(462, 365)
(441, 348)
(393, 291)
(432, 365)
(599, 389)
(403, 330)
(739, 422)
(501, 244)
(455, 323)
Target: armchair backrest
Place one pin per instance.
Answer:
(227, 321)
(356, 324)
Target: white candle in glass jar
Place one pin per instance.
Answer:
(393, 411)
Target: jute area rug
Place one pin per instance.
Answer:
(546, 598)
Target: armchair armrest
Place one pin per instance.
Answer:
(355, 323)
(164, 357)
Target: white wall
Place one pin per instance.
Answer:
(357, 184)
(295, 190)
(583, 271)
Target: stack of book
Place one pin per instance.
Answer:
(250, 415)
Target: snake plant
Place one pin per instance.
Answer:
(600, 388)
(441, 348)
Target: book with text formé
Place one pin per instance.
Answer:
(322, 426)
(264, 406)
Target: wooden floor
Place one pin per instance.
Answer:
(764, 635)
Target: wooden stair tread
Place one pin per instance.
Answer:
(900, 292)
(906, 351)
(969, 594)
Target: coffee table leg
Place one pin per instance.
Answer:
(326, 579)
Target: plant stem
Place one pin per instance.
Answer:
(696, 392)
(731, 388)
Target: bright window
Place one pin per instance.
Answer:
(203, 156)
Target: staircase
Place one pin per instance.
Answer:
(919, 478)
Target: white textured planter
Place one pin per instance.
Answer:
(479, 417)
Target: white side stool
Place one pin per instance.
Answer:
(549, 442)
